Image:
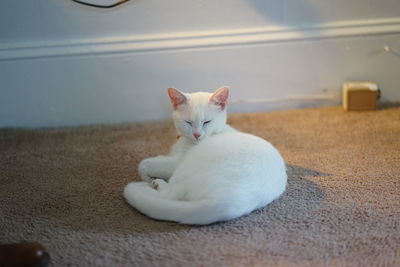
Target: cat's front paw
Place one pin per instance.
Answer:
(144, 169)
(154, 184)
(156, 167)
(158, 184)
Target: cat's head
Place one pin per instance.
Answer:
(201, 114)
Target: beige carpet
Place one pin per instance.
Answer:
(62, 188)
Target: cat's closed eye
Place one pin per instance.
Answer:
(189, 122)
(206, 122)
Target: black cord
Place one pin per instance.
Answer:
(100, 6)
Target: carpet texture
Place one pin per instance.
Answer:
(63, 188)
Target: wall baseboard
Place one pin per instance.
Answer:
(174, 41)
(63, 84)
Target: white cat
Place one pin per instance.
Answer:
(213, 172)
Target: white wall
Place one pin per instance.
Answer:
(66, 64)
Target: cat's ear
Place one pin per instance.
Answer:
(177, 97)
(220, 97)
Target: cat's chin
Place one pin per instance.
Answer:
(195, 141)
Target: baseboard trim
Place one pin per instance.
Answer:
(146, 43)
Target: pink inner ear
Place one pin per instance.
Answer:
(177, 98)
(220, 97)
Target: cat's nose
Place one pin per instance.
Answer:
(196, 135)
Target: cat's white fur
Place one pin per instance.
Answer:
(220, 175)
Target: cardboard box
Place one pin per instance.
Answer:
(359, 96)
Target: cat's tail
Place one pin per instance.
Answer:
(148, 201)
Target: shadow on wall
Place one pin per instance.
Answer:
(300, 13)
(388, 104)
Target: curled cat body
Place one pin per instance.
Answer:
(213, 172)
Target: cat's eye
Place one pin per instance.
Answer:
(189, 122)
(204, 123)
